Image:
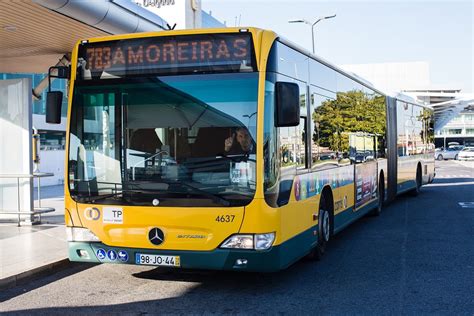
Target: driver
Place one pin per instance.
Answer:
(239, 143)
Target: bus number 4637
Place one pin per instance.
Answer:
(225, 218)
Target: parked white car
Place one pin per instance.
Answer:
(466, 154)
(451, 153)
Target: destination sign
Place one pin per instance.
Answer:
(168, 55)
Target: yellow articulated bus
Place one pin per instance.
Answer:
(226, 149)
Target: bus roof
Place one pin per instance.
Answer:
(255, 31)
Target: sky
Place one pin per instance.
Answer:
(439, 32)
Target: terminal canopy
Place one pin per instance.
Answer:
(446, 111)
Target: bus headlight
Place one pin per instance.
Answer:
(264, 241)
(257, 241)
(80, 234)
(239, 242)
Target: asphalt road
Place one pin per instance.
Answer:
(416, 258)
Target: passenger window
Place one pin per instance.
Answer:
(322, 76)
(322, 153)
(362, 147)
(293, 143)
(289, 62)
(347, 129)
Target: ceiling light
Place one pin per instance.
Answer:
(10, 28)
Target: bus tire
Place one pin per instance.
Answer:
(418, 182)
(381, 196)
(324, 230)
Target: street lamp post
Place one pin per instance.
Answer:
(313, 24)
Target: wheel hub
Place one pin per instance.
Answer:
(325, 226)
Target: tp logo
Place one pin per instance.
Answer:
(92, 213)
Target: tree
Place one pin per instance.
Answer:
(351, 112)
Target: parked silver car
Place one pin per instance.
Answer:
(466, 154)
(451, 153)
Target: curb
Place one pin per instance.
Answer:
(24, 277)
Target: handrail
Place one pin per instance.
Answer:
(38, 210)
(24, 176)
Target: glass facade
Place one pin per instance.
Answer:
(52, 140)
(39, 106)
(462, 127)
(455, 131)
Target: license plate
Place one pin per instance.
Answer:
(157, 260)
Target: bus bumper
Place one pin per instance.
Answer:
(219, 259)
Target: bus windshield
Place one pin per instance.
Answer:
(184, 140)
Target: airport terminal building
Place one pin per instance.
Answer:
(454, 109)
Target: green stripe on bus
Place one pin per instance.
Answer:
(274, 259)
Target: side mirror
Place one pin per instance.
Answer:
(54, 100)
(287, 104)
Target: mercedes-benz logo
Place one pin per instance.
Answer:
(156, 236)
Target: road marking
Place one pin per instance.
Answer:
(468, 164)
(466, 204)
(455, 176)
(435, 184)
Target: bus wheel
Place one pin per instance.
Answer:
(381, 189)
(418, 181)
(324, 231)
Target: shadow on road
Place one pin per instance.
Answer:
(27, 286)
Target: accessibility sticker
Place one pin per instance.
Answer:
(101, 254)
(123, 256)
(112, 255)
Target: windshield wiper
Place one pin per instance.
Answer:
(96, 198)
(243, 157)
(214, 197)
(93, 199)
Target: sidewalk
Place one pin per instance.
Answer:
(30, 250)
